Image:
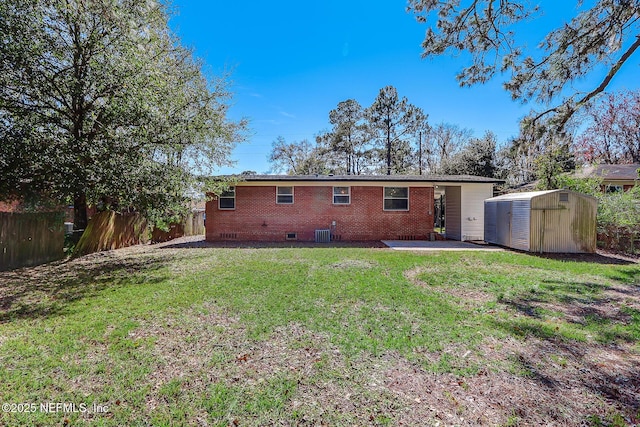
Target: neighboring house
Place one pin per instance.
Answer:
(614, 177)
(349, 208)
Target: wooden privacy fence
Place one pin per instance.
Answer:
(192, 225)
(616, 239)
(110, 230)
(196, 220)
(30, 238)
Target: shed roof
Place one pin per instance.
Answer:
(382, 178)
(532, 194)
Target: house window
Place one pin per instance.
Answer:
(564, 197)
(284, 195)
(396, 198)
(227, 200)
(341, 195)
(615, 188)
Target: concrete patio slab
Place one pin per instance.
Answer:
(447, 245)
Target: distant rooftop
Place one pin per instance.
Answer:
(382, 178)
(622, 172)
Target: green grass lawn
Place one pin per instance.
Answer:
(310, 336)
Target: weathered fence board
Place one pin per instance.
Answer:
(622, 240)
(192, 225)
(110, 230)
(30, 238)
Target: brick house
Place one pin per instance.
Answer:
(349, 208)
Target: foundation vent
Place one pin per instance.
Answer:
(405, 237)
(323, 236)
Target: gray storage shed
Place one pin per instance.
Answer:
(560, 221)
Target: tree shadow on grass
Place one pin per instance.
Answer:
(627, 276)
(591, 307)
(48, 290)
(593, 329)
(596, 258)
(609, 372)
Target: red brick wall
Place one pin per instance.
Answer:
(258, 217)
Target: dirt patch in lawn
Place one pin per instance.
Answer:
(550, 384)
(465, 294)
(528, 381)
(354, 263)
(185, 346)
(525, 382)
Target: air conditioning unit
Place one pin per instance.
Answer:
(323, 236)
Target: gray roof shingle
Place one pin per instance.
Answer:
(381, 178)
(624, 172)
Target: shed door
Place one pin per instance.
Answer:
(503, 223)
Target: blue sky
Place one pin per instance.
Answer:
(292, 62)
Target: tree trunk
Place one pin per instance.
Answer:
(80, 211)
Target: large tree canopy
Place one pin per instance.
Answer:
(349, 137)
(597, 42)
(613, 131)
(100, 103)
(378, 139)
(393, 122)
(296, 158)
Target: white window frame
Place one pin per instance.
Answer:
(278, 195)
(347, 195)
(385, 198)
(222, 196)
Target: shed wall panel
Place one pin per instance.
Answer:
(583, 226)
(490, 222)
(520, 224)
(503, 223)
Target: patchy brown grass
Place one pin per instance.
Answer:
(467, 296)
(523, 382)
(202, 349)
